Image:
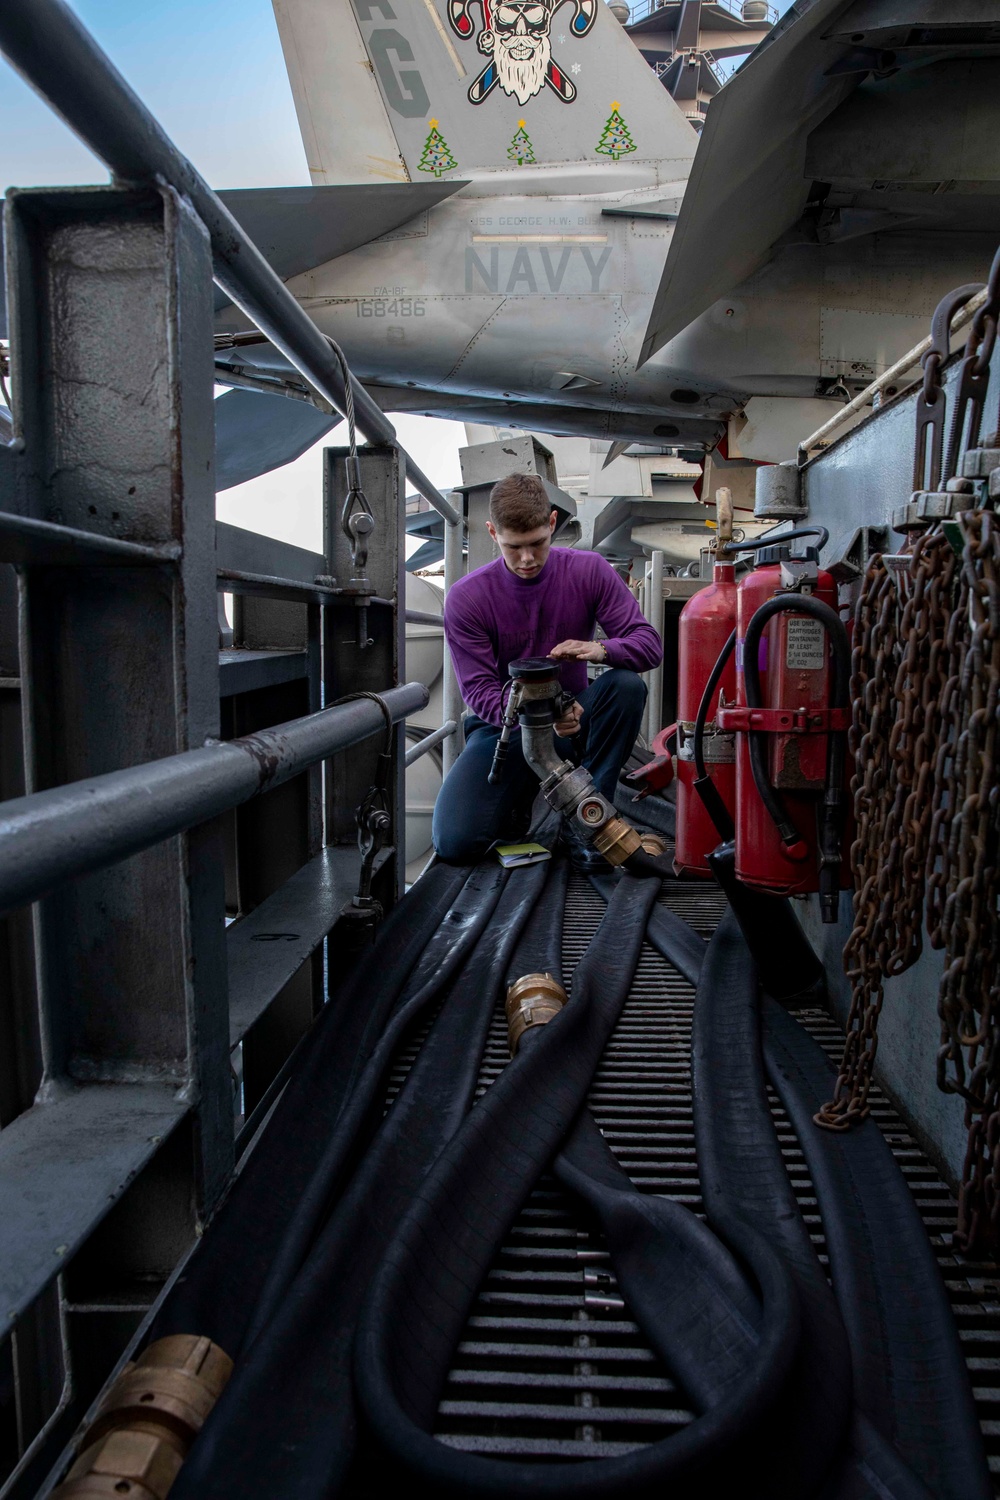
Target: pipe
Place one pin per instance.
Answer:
(769, 540)
(429, 741)
(454, 568)
(443, 1246)
(53, 836)
(53, 51)
(538, 748)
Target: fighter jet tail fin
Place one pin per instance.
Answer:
(423, 89)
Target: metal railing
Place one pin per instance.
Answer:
(429, 741)
(53, 836)
(153, 811)
(643, 8)
(54, 52)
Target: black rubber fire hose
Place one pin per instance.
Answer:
(897, 1289)
(704, 785)
(284, 1428)
(679, 943)
(424, 1289)
(679, 1281)
(832, 818)
(911, 1380)
(787, 965)
(462, 927)
(223, 1280)
(743, 1180)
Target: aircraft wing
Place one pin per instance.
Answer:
(297, 228)
(256, 432)
(748, 183)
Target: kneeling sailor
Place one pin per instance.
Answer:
(536, 600)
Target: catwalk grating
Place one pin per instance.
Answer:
(550, 1364)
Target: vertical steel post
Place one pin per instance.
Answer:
(482, 547)
(20, 1046)
(350, 667)
(654, 609)
(644, 606)
(277, 833)
(110, 300)
(452, 695)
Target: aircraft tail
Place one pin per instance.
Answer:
(422, 89)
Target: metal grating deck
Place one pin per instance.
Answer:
(550, 1364)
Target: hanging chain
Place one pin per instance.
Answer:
(963, 916)
(893, 690)
(874, 665)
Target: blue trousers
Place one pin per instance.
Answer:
(470, 815)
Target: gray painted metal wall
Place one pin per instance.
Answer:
(860, 481)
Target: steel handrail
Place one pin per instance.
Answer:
(59, 834)
(421, 747)
(53, 51)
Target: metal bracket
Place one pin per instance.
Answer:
(784, 721)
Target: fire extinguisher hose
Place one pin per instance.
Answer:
(831, 819)
(704, 785)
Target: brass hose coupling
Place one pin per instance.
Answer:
(148, 1421)
(616, 840)
(531, 1001)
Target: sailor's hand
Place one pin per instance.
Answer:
(570, 725)
(579, 651)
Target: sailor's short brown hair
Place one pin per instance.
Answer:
(519, 504)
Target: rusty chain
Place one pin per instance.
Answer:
(895, 689)
(963, 916)
(926, 744)
(925, 741)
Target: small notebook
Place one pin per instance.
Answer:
(513, 855)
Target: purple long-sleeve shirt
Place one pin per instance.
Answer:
(492, 617)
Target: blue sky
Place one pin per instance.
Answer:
(212, 73)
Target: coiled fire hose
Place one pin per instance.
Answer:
(286, 1424)
(426, 1284)
(911, 1388)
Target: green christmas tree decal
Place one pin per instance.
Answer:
(437, 157)
(520, 148)
(615, 139)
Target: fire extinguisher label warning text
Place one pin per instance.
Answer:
(805, 646)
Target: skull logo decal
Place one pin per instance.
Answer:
(515, 37)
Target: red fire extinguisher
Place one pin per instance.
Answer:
(706, 766)
(790, 721)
